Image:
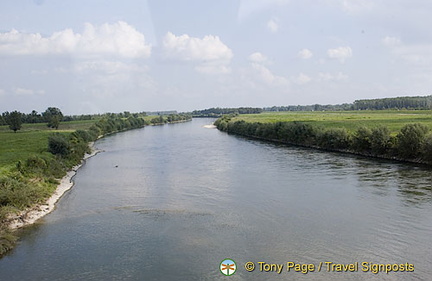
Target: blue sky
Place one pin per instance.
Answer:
(111, 56)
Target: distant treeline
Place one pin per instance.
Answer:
(412, 143)
(167, 112)
(424, 102)
(35, 117)
(314, 107)
(394, 103)
(218, 112)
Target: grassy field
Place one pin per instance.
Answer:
(30, 140)
(351, 120)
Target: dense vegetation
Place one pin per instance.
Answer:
(394, 103)
(365, 104)
(217, 112)
(35, 159)
(410, 142)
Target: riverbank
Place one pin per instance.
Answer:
(412, 142)
(33, 214)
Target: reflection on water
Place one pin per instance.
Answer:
(171, 202)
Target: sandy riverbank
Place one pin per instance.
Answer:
(31, 215)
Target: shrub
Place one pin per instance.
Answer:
(362, 139)
(84, 135)
(426, 149)
(381, 141)
(334, 139)
(58, 144)
(410, 139)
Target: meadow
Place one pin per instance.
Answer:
(394, 120)
(32, 139)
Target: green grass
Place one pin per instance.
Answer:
(351, 120)
(32, 139)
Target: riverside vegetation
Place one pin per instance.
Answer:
(34, 159)
(395, 134)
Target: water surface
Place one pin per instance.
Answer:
(171, 202)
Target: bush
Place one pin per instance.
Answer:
(410, 139)
(84, 135)
(334, 139)
(381, 141)
(58, 144)
(426, 149)
(362, 140)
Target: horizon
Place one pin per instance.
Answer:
(89, 57)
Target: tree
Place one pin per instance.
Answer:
(53, 116)
(14, 120)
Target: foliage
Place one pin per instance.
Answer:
(58, 144)
(53, 116)
(14, 120)
(381, 141)
(394, 103)
(410, 139)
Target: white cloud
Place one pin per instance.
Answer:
(2, 92)
(305, 54)
(325, 76)
(340, 53)
(391, 41)
(210, 54)
(272, 25)
(117, 39)
(257, 57)
(268, 77)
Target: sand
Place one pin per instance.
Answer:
(33, 214)
(211, 126)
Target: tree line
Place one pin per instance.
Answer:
(420, 102)
(394, 103)
(218, 112)
(52, 116)
(412, 143)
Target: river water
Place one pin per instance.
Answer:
(171, 202)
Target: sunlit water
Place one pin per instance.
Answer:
(171, 202)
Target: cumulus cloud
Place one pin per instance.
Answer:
(340, 53)
(305, 54)
(257, 57)
(272, 25)
(209, 54)
(117, 39)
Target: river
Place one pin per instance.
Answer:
(171, 202)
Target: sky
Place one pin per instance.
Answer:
(97, 56)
